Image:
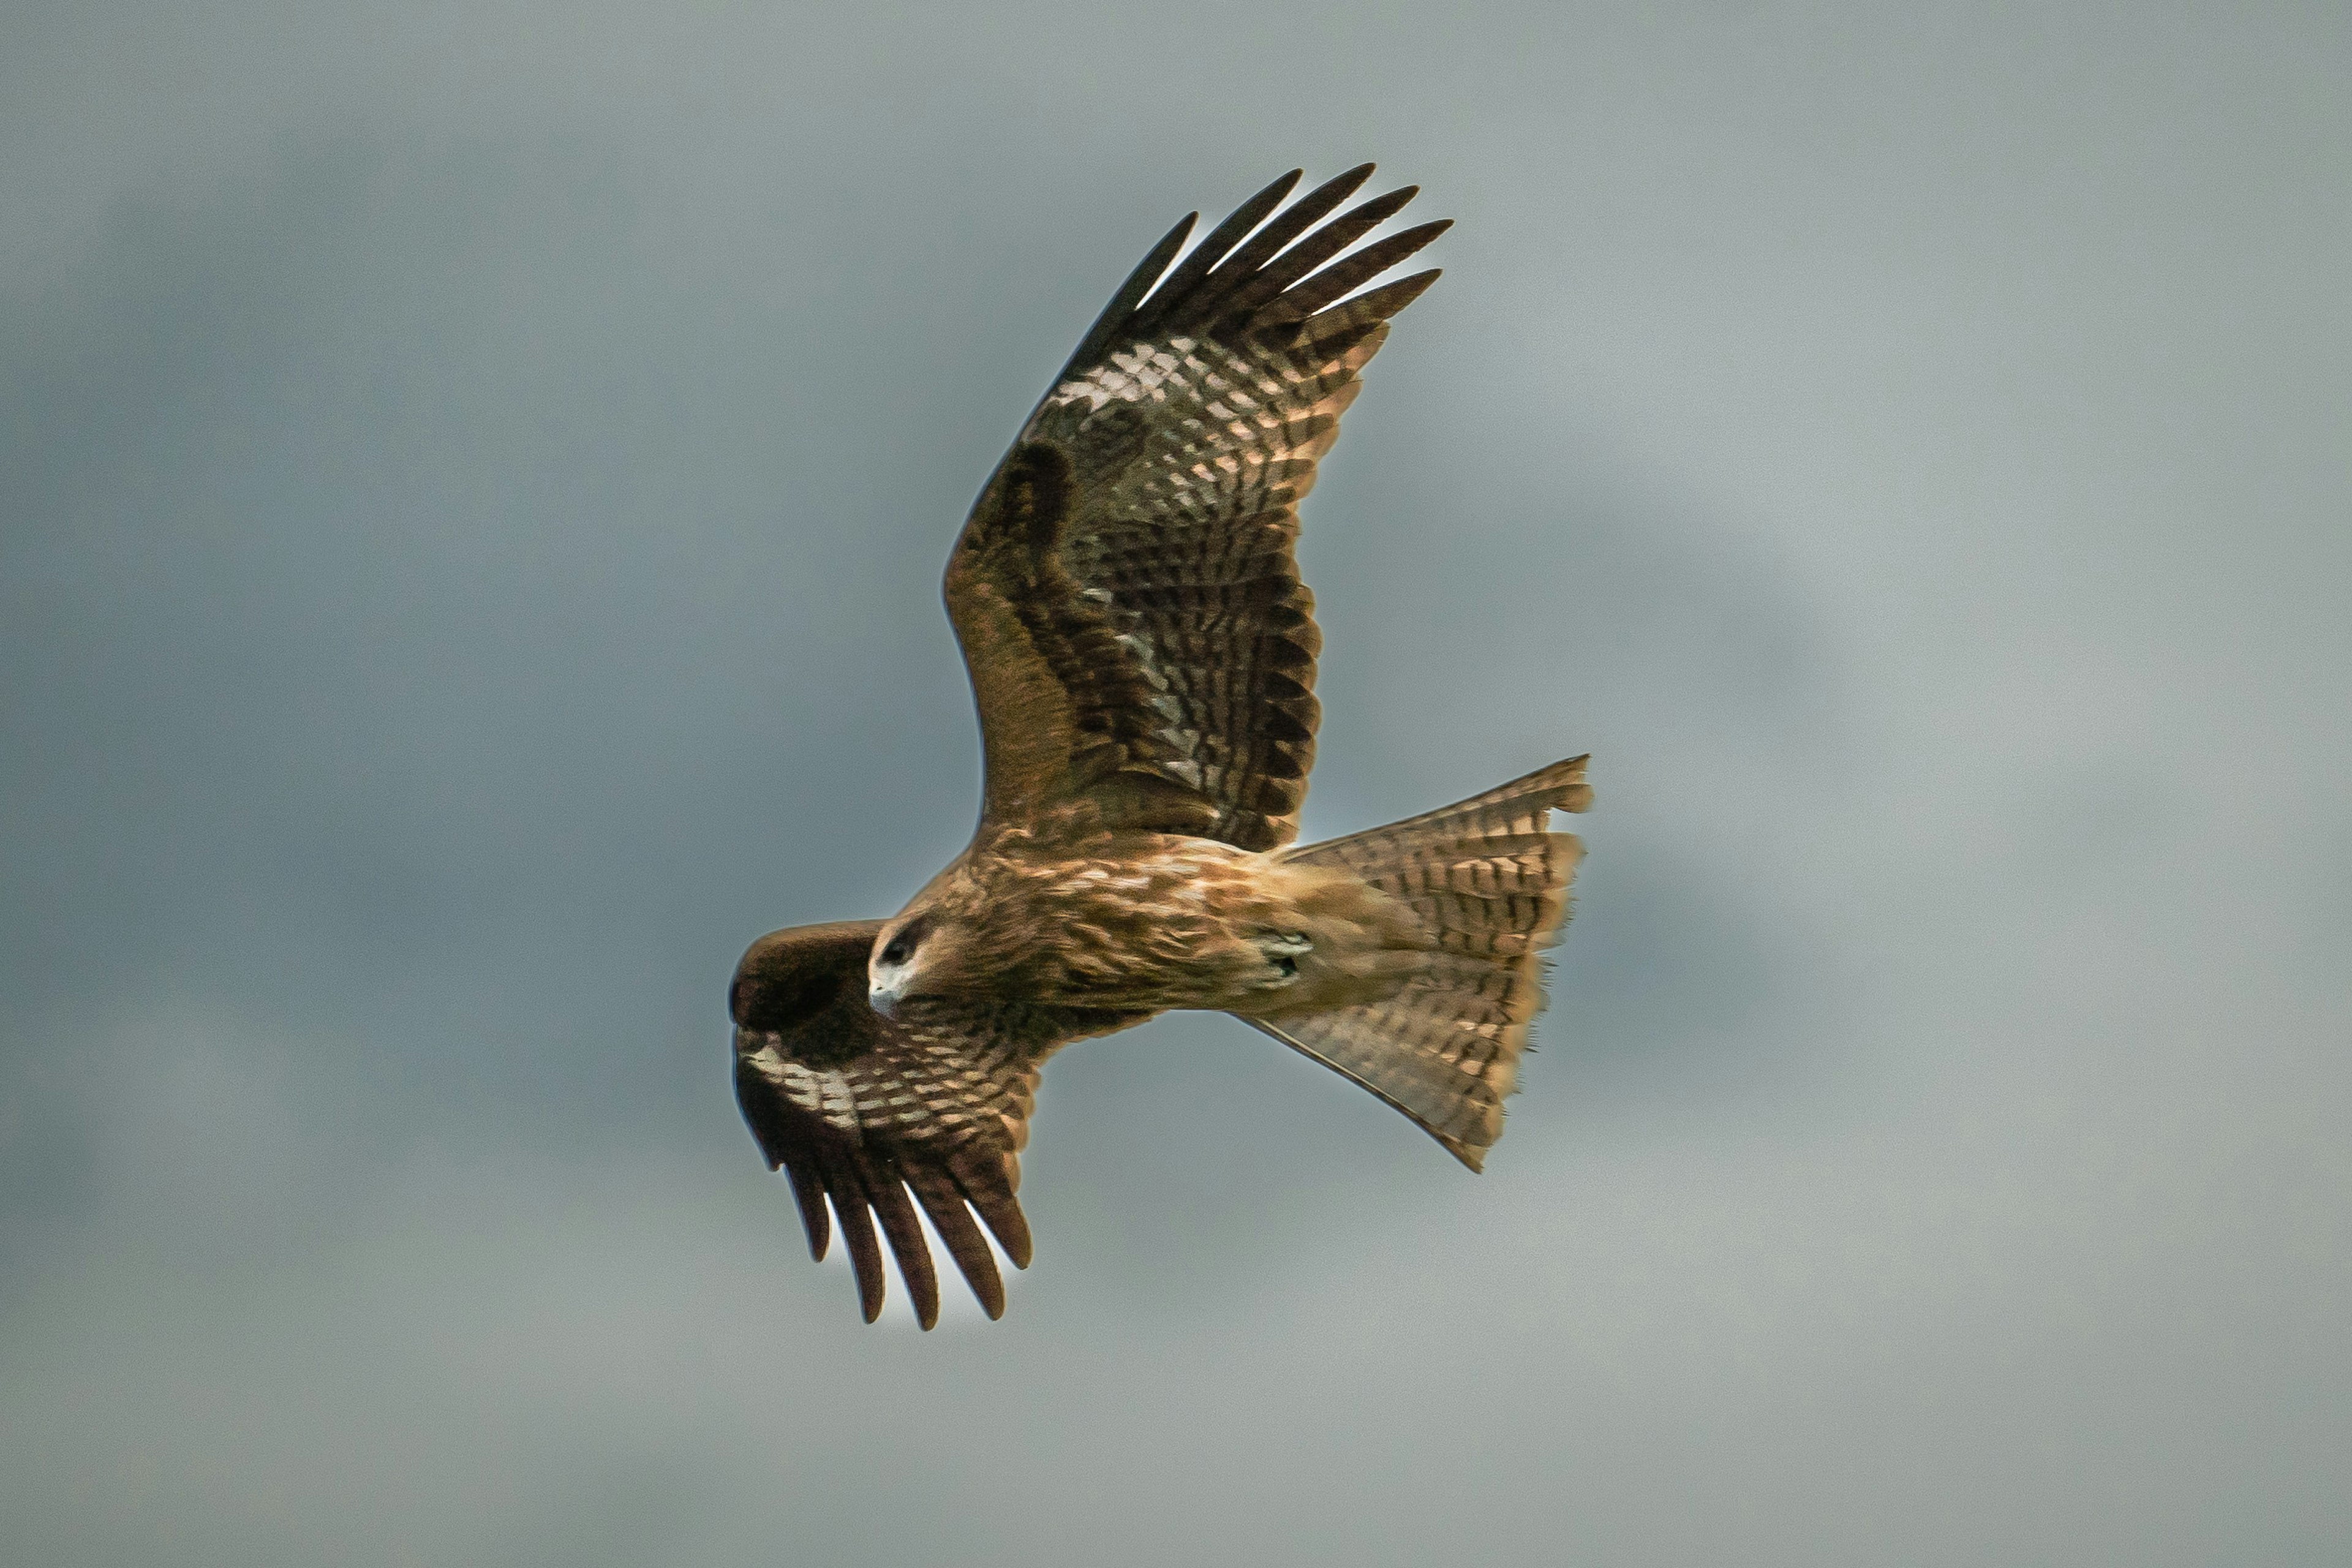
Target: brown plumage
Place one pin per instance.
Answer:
(1143, 655)
(861, 1109)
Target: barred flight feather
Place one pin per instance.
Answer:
(1491, 885)
(860, 1111)
(1125, 591)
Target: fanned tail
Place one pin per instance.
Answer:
(1490, 882)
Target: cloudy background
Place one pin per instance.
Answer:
(473, 482)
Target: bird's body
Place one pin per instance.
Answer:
(1127, 920)
(1142, 654)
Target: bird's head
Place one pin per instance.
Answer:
(913, 956)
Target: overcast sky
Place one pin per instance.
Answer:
(473, 485)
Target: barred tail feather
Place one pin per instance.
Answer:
(1491, 884)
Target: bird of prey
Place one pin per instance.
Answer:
(1142, 654)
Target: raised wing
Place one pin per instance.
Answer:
(862, 1110)
(1141, 646)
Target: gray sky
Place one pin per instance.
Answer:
(474, 480)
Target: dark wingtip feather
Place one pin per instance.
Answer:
(1012, 1228)
(888, 1193)
(1236, 272)
(990, 1194)
(1345, 276)
(1284, 226)
(1351, 319)
(1405, 291)
(1279, 273)
(809, 1193)
(1128, 295)
(957, 1228)
(849, 1211)
(1175, 290)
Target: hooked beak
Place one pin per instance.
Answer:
(883, 999)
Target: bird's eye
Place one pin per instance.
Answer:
(896, 952)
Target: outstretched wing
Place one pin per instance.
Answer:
(1141, 646)
(861, 1110)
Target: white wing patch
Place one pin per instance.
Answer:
(931, 1085)
(1136, 377)
(833, 1096)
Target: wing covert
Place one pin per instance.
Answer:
(862, 1110)
(1141, 649)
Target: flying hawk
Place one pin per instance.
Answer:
(1142, 653)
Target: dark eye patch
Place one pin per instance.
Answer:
(902, 946)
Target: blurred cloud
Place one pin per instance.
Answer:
(476, 483)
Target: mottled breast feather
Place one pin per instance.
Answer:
(1141, 649)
